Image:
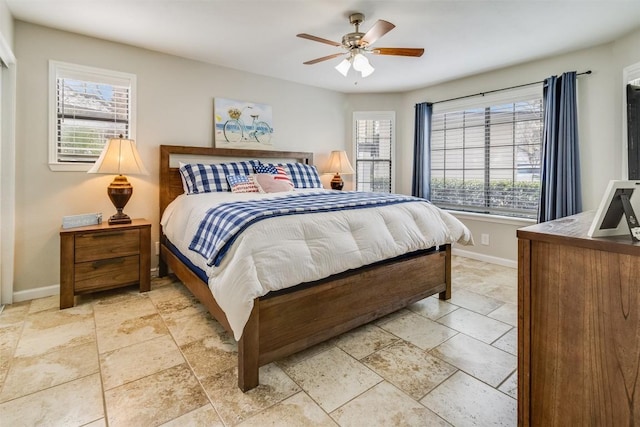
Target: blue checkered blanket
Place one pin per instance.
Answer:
(223, 223)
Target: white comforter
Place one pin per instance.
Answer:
(285, 251)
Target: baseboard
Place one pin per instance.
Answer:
(29, 294)
(486, 258)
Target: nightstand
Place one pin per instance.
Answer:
(98, 257)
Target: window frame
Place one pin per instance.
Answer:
(83, 72)
(375, 115)
(525, 93)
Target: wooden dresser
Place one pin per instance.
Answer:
(103, 256)
(578, 326)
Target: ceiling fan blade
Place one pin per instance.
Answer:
(378, 30)
(398, 51)
(324, 58)
(318, 39)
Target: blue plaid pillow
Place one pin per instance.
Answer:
(201, 178)
(302, 175)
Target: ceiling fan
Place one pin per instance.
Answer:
(358, 44)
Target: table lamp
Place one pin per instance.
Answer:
(339, 164)
(120, 157)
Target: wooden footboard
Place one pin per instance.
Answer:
(288, 322)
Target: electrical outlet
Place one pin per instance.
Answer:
(484, 239)
(157, 248)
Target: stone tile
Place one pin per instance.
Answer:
(97, 423)
(9, 336)
(130, 363)
(42, 304)
(154, 399)
(507, 313)
(409, 368)
(47, 331)
(30, 374)
(192, 327)
(364, 340)
(474, 301)
(475, 325)
(390, 316)
(121, 307)
(14, 313)
(384, 405)
(211, 355)
(505, 293)
(297, 410)
(114, 335)
(298, 357)
(204, 416)
(510, 385)
(332, 378)
(464, 401)
(77, 403)
(234, 406)
(174, 301)
(418, 330)
(508, 342)
(432, 307)
(477, 358)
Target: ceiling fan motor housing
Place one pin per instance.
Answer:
(353, 40)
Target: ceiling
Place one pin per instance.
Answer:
(460, 38)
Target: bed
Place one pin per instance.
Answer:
(286, 321)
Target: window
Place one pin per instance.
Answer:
(485, 157)
(87, 107)
(374, 138)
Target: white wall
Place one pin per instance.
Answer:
(6, 24)
(600, 125)
(175, 106)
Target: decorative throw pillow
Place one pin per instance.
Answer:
(278, 171)
(242, 184)
(270, 183)
(205, 178)
(303, 175)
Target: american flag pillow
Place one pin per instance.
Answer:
(242, 184)
(277, 170)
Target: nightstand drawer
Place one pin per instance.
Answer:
(107, 244)
(106, 273)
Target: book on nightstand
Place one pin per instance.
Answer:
(71, 221)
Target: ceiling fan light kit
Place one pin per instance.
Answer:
(358, 44)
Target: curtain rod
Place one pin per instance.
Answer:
(500, 90)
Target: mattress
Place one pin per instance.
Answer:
(280, 252)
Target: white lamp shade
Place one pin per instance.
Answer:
(361, 63)
(119, 156)
(343, 67)
(367, 70)
(339, 163)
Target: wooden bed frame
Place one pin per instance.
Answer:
(297, 318)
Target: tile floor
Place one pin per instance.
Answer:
(122, 358)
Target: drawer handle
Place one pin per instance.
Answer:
(110, 234)
(102, 262)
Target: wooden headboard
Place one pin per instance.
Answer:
(171, 184)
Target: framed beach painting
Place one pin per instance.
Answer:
(241, 124)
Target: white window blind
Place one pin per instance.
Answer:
(374, 140)
(91, 106)
(486, 158)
